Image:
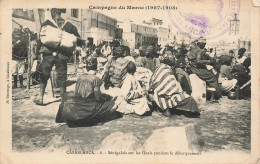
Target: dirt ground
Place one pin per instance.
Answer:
(224, 125)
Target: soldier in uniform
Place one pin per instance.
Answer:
(57, 57)
(19, 55)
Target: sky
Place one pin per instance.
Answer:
(140, 15)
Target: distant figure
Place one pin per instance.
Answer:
(19, 55)
(241, 58)
(106, 50)
(34, 58)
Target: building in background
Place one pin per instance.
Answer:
(119, 34)
(182, 38)
(92, 25)
(136, 35)
(165, 32)
(164, 36)
(156, 22)
(99, 27)
(23, 18)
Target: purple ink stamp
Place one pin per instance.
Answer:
(207, 18)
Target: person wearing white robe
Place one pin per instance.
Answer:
(135, 100)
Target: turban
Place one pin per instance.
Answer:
(169, 60)
(118, 51)
(241, 51)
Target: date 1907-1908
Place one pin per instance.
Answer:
(153, 7)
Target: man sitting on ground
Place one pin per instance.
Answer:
(134, 96)
(167, 92)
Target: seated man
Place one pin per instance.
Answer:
(226, 79)
(198, 62)
(87, 105)
(148, 61)
(139, 59)
(167, 92)
(180, 72)
(134, 96)
(115, 69)
(243, 77)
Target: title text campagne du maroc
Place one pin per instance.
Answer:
(133, 7)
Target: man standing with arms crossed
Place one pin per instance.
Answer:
(55, 56)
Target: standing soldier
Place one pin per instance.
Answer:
(55, 56)
(19, 55)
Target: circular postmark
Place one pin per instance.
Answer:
(207, 18)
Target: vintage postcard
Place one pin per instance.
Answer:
(129, 81)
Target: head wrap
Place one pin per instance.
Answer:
(118, 52)
(168, 59)
(241, 51)
(116, 43)
(135, 53)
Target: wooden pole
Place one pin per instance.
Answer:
(75, 60)
(37, 21)
(29, 62)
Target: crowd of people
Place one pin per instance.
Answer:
(107, 86)
(168, 88)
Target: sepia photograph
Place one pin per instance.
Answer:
(134, 81)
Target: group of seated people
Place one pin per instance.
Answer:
(168, 90)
